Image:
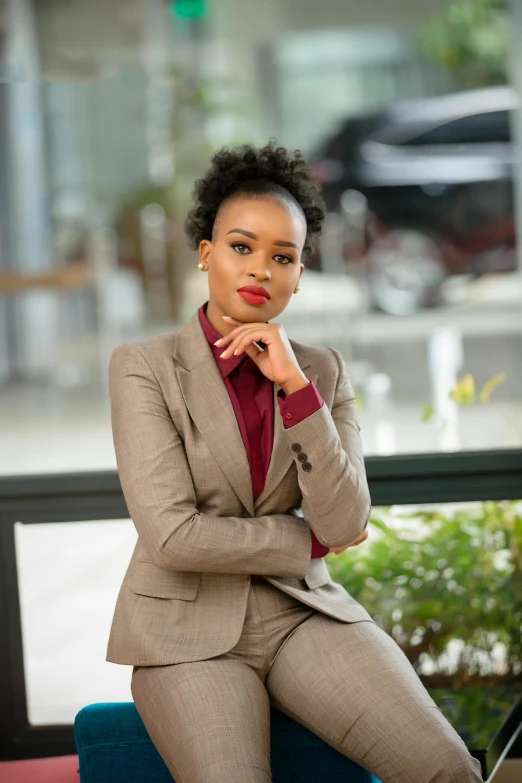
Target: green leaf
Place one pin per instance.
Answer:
(470, 37)
(461, 579)
(427, 413)
(464, 390)
(491, 384)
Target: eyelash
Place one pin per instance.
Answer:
(282, 255)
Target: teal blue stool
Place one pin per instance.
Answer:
(114, 747)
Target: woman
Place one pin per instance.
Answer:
(223, 430)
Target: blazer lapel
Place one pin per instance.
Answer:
(207, 400)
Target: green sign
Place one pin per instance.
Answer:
(188, 9)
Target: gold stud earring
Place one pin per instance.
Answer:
(201, 266)
(297, 288)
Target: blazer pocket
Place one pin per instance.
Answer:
(148, 579)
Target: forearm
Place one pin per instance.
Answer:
(335, 497)
(188, 540)
(327, 450)
(297, 400)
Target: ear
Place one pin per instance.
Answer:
(205, 248)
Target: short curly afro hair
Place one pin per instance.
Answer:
(265, 171)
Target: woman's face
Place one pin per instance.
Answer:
(255, 242)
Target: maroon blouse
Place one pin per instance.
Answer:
(246, 383)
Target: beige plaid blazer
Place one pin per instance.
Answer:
(186, 480)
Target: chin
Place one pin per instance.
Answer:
(248, 312)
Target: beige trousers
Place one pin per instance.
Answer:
(349, 683)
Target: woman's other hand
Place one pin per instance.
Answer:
(357, 541)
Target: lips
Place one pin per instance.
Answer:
(255, 289)
(254, 294)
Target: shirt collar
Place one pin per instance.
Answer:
(225, 366)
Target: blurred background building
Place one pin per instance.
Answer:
(409, 111)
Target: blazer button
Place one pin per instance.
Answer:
(307, 467)
(302, 457)
(296, 447)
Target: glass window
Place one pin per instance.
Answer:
(441, 579)
(108, 120)
(69, 575)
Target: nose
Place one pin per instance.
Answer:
(258, 277)
(258, 267)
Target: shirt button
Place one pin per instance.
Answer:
(296, 447)
(302, 457)
(288, 415)
(307, 467)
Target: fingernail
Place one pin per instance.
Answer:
(222, 354)
(218, 341)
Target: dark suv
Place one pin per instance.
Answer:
(425, 190)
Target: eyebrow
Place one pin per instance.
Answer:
(280, 242)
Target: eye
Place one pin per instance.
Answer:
(239, 244)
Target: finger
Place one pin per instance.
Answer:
(359, 540)
(253, 351)
(260, 328)
(237, 346)
(227, 338)
(245, 337)
(243, 343)
(239, 330)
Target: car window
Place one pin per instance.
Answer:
(489, 126)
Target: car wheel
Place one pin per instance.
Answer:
(404, 271)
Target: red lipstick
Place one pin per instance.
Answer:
(254, 294)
